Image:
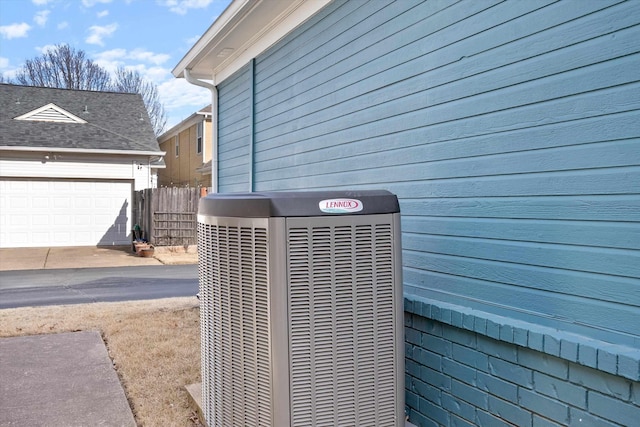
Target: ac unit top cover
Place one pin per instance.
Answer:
(298, 204)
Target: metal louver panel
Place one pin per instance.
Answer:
(343, 323)
(51, 113)
(235, 323)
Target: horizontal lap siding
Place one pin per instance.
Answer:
(234, 98)
(510, 131)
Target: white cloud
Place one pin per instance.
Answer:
(7, 71)
(63, 25)
(111, 59)
(41, 17)
(178, 93)
(181, 99)
(91, 3)
(150, 57)
(45, 48)
(97, 33)
(14, 31)
(181, 7)
(110, 55)
(41, 2)
(102, 14)
(145, 63)
(157, 74)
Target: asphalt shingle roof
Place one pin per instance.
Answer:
(115, 121)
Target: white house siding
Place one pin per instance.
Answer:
(74, 165)
(510, 132)
(68, 199)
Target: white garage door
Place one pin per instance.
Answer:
(64, 213)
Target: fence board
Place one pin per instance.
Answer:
(167, 216)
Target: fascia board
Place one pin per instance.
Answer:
(81, 151)
(249, 41)
(288, 21)
(216, 33)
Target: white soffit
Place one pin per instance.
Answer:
(243, 31)
(51, 113)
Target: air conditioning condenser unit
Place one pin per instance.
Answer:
(301, 309)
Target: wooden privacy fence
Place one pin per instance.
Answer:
(167, 216)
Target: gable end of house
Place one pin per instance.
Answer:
(51, 113)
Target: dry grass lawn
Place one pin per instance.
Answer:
(155, 346)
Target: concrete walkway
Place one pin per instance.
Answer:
(67, 379)
(60, 380)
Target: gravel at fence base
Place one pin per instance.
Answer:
(173, 255)
(177, 250)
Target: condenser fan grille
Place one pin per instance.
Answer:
(342, 324)
(235, 325)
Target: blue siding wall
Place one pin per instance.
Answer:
(509, 130)
(511, 133)
(234, 132)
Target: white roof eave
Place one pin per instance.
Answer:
(245, 29)
(184, 124)
(81, 150)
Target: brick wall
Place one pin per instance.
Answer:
(463, 370)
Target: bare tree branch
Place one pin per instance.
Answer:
(130, 81)
(66, 68)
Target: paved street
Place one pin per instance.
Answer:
(83, 285)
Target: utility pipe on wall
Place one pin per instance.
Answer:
(252, 123)
(214, 125)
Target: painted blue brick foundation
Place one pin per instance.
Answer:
(465, 368)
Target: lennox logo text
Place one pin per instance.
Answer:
(340, 205)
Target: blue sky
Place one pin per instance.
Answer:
(150, 36)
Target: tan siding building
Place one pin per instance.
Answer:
(188, 148)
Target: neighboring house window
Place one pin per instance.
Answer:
(199, 139)
(177, 145)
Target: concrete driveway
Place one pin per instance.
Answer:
(89, 257)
